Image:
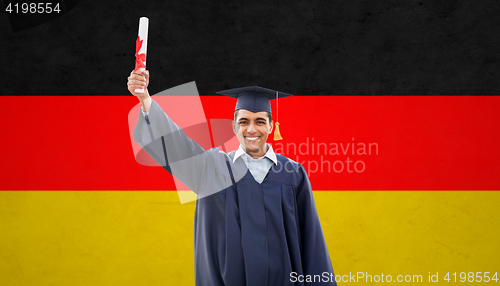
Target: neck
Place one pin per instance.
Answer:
(258, 154)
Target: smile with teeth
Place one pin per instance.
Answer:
(254, 138)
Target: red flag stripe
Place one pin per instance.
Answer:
(410, 142)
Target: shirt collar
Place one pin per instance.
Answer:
(269, 154)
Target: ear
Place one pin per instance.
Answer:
(234, 127)
(271, 128)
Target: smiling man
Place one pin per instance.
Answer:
(256, 222)
(252, 130)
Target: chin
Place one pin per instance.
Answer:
(255, 149)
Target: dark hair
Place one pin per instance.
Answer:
(269, 114)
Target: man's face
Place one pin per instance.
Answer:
(252, 129)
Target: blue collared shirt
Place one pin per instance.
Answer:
(258, 167)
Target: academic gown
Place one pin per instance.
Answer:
(245, 233)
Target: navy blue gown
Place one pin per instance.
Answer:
(245, 233)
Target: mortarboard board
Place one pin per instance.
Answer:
(253, 98)
(256, 99)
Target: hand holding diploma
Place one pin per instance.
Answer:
(141, 46)
(139, 78)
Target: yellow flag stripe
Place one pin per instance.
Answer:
(146, 237)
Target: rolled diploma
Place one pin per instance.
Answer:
(143, 35)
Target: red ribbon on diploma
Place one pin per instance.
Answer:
(139, 58)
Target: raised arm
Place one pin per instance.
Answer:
(168, 145)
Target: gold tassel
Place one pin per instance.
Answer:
(277, 134)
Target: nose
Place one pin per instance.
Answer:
(251, 128)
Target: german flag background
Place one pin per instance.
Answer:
(393, 119)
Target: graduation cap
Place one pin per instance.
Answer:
(256, 99)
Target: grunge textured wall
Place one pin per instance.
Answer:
(301, 47)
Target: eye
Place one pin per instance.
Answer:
(243, 122)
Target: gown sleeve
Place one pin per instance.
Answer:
(181, 156)
(315, 256)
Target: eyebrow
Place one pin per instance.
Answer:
(259, 118)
